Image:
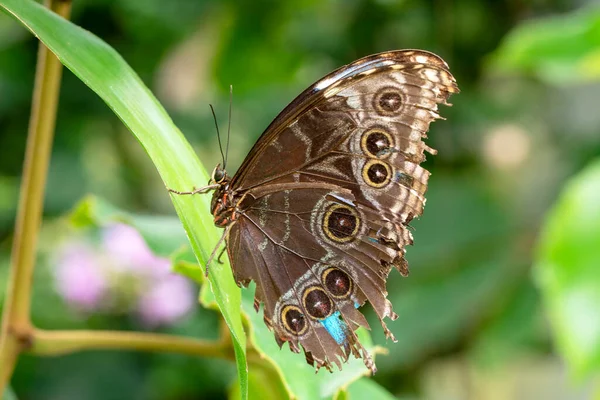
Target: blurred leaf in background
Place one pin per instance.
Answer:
(560, 50)
(569, 275)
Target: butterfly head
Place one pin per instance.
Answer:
(222, 201)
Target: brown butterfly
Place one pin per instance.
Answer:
(318, 213)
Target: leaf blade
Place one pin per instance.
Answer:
(103, 70)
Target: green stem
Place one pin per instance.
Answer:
(16, 324)
(53, 343)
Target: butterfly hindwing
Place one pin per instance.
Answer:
(316, 252)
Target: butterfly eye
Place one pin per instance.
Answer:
(316, 302)
(341, 223)
(218, 174)
(337, 282)
(376, 173)
(293, 320)
(388, 101)
(376, 143)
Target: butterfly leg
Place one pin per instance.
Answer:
(214, 252)
(203, 189)
(221, 254)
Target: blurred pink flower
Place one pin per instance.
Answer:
(169, 299)
(90, 278)
(79, 277)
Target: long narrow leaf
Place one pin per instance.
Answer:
(106, 73)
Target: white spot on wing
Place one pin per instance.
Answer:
(325, 82)
(369, 72)
(345, 73)
(343, 200)
(286, 204)
(422, 59)
(354, 102)
(432, 75)
(262, 246)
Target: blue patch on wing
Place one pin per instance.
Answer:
(336, 327)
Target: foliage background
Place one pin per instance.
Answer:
(472, 322)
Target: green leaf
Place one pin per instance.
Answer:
(342, 394)
(559, 50)
(366, 388)
(263, 383)
(568, 274)
(106, 73)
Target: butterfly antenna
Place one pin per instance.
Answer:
(228, 125)
(218, 134)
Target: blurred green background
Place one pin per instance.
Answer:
(473, 323)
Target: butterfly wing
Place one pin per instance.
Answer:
(318, 118)
(325, 196)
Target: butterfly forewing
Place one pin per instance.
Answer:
(417, 70)
(322, 202)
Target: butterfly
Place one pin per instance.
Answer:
(317, 215)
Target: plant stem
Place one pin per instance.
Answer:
(53, 343)
(16, 324)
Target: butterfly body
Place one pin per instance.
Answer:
(318, 213)
(222, 204)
